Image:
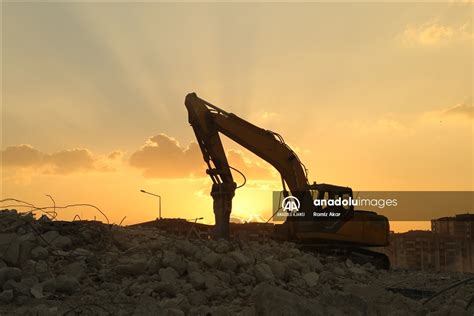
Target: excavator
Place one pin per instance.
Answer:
(348, 234)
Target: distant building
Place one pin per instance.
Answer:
(412, 250)
(449, 246)
(461, 225)
(456, 246)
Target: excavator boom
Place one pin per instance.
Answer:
(207, 120)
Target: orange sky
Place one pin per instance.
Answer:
(371, 96)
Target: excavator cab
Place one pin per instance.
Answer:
(323, 193)
(328, 204)
(335, 222)
(326, 208)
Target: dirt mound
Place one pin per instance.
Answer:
(88, 268)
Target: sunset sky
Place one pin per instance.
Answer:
(371, 96)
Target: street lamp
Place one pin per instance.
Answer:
(159, 199)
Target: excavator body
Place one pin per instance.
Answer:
(349, 233)
(351, 228)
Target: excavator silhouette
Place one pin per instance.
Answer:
(348, 235)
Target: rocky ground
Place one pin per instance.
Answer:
(87, 268)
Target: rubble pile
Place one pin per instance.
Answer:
(88, 268)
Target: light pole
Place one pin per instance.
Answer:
(159, 199)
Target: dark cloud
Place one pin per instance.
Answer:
(163, 157)
(72, 160)
(62, 162)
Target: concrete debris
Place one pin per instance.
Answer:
(86, 267)
(6, 296)
(39, 253)
(311, 279)
(263, 272)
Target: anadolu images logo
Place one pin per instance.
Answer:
(290, 204)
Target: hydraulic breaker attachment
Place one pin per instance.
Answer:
(222, 194)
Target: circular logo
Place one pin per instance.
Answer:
(290, 204)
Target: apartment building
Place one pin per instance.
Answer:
(449, 246)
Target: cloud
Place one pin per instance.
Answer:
(264, 185)
(254, 170)
(265, 118)
(461, 2)
(163, 157)
(247, 218)
(71, 160)
(62, 162)
(463, 111)
(390, 124)
(21, 156)
(116, 154)
(386, 124)
(268, 115)
(434, 33)
(204, 192)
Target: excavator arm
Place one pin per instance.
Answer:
(208, 121)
